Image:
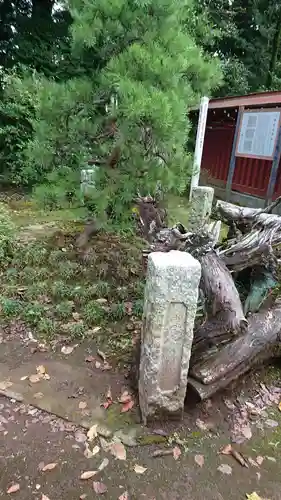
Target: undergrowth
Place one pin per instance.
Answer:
(56, 289)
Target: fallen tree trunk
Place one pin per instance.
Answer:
(261, 342)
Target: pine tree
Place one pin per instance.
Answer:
(147, 71)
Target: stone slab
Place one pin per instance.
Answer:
(200, 206)
(170, 304)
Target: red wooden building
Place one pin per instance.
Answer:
(248, 179)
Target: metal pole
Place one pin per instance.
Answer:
(232, 162)
(274, 170)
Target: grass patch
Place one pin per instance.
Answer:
(54, 288)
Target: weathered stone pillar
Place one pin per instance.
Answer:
(200, 206)
(169, 312)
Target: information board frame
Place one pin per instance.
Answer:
(256, 156)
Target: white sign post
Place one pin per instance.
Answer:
(203, 112)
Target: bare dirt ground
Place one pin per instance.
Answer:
(32, 437)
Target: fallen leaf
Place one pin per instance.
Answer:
(5, 384)
(88, 474)
(259, 460)
(106, 366)
(98, 365)
(118, 450)
(252, 462)
(13, 489)
(24, 378)
(41, 369)
(90, 359)
(176, 452)
(67, 349)
(44, 497)
(124, 496)
(99, 488)
(254, 496)
(199, 460)
(49, 467)
(101, 355)
(76, 316)
(38, 395)
(201, 424)
(46, 376)
(271, 459)
(258, 475)
(125, 397)
(95, 450)
(139, 469)
(226, 450)
(34, 379)
(225, 469)
(83, 496)
(279, 406)
(104, 464)
(127, 406)
(92, 432)
(82, 405)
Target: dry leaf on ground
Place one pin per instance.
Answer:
(199, 460)
(88, 474)
(38, 395)
(101, 355)
(226, 450)
(82, 405)
(5, 384)
(124, 496)
(229, 450)
(41, 370)
(254, 496)
(127, 406)
(176, 452)
(44, 497)
(99, 488)
(95, 450)
(49, 467)
(279, 406)
(139, 469)
(118, 450)
(259, 460)
(92, 432)
(24, 378)
(90, 359)
(67, 349)
(125, 397)
(13, 489)
(104, 464)
(225, 469)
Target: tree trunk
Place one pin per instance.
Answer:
(261, 342)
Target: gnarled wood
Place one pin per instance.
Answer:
(262, 341)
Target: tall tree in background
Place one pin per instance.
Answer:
(247, 42)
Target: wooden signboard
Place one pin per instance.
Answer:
(258, 133)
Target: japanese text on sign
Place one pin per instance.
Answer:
(258, 133)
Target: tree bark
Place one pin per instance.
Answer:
(261, 342)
